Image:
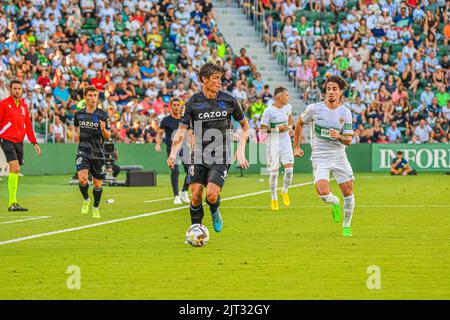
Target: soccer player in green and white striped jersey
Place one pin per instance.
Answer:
(331, 132)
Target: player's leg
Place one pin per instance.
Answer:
(394, 172)
(97, 193)
(14, 156)
(287, 159)
(216, 177)
(273, 165)
(343, 173)
(196, 207)
(82, 165)
(98, 172)
(184, 191)
(197, 180)
(174, 182)
(321, 174)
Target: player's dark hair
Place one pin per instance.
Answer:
(175, 100)
(89, 89)
(208, 69)
(13, 82)
(279, 90)
(338, 80)
(400, 152)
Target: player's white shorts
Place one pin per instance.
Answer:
(279, 152)
(340, 168)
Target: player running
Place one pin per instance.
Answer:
(169, 126)
(331, 131)
(14, 124)
(92, 130)
(277, 121)
(209, 113)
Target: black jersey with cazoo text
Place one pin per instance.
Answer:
(210, 119)
(91, 137)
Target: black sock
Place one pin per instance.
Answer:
(196, 214)
(214, 206)
(174, 181)
(97, 196)
(84, 190)
(185, 185)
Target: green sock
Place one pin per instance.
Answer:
(13, 182)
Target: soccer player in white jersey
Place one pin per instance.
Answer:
(331, 132)
(277, 122)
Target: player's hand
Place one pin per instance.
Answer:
(298, 152)
(334, 134)
(171, 161)
(243, 162)
(102, 124)
(283, 128)
(158, 147)
(37, 149)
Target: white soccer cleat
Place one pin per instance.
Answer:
(184, 196)
(177, 200)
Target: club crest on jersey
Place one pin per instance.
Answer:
(213, 115)
(341, 120)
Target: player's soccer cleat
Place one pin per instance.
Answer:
(95, 213)
(336, 212)
(274, 205)
(347, 231)
(85, 206)
(177, 200)
(217, 220)
(16, 207)
(184, 197)
(286, 200)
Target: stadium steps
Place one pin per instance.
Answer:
(239, 33)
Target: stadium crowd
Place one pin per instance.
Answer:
(141, 53)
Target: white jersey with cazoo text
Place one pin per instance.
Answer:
(322, 119)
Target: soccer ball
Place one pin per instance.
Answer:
(197, 235)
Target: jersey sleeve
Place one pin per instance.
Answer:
(106, 119)
(348, 123)
(307, 114)
(238, 114)
(265, 119)
(187, 116)
(76, 122)
(162, 125)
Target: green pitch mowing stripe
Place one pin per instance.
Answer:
(132, 217)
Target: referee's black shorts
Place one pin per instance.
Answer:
(12, 150)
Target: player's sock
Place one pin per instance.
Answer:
(330, 198)
(214, 206)
(287, 179)
(13, 182)
(185, 184)
(349, 207)
(196, 214)
(174, 180)
(97, 196)
(84, 190)
(273, 181)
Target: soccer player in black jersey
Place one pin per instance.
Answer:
(92, 130)
(209, 113)
(169, 126)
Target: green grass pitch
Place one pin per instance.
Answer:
(401, 225)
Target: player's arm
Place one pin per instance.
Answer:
(298, 152)
(265, 122)
(159, 139)
(177, 142)
(104, 126)
(240, 154)
(30, 132)
(346, 137)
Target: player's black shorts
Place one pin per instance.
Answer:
(204, 174)
(12, 150)
(96, 167)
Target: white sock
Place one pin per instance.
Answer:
(273, 181)
(287, 179)
(349, 207)
(330, 198)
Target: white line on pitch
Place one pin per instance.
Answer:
(358, 206)
(25, 219)
(132, 217)
(157, 200)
